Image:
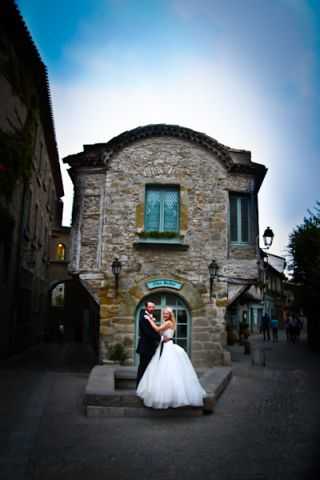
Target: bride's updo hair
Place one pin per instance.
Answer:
(172, 317)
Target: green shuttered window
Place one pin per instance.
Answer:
(162, 209)
(239, 218)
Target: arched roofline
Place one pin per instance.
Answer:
(108, 150)
(100, 154)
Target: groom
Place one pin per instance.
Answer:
(148, 341)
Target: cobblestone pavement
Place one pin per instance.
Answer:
(266, 426)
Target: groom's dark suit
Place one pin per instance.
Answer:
(148, 342)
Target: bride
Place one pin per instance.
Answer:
(169, 380)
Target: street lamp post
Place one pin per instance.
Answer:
(268, 237)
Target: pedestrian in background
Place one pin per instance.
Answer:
(293, 328)
(274, 328)
(299, 326)
(287, 328)
(265, 324)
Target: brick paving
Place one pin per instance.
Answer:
(266, 424)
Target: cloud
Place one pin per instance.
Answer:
(195, 94)
(257, 97)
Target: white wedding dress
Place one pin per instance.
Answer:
(170, 379)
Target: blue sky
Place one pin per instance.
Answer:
(246, 72)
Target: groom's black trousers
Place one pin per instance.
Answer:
(144, 362)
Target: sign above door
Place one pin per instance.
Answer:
(164, 282)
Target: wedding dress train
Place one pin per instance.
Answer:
(170, 379)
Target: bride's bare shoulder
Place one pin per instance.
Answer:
(169, 324)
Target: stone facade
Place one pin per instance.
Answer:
(108, 222)
(31, 184)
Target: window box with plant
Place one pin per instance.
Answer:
(155, 236)
(161, 217)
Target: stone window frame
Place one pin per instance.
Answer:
(162, 188)
(177, 242)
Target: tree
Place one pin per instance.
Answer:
(304, 249)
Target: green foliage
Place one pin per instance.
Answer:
(304, 248)
(118, 353)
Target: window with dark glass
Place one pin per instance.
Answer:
(239, 218)
(162, 209)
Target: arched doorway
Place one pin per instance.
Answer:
(181, 311)
(55, 330)
(73, 325)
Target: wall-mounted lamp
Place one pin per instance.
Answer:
(116, 269)
(213, 270)
(268, 237)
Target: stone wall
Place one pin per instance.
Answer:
(108, 218)
(30, 200)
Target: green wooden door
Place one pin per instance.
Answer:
(182, 335)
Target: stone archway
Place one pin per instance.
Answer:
(206, 335)
(163, 299)
(73, 324)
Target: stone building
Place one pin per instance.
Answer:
(165, 200)
(30, 184)
(268, 295)
(246, 306)
(274, 292)
(73, 313)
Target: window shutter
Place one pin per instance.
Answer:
(244, 219)
(170, 210)
(233, 219)
(152, 212)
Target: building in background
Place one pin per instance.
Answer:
(152, 208)
(30, 184)
(265, 294)
(274, 292)
(246, 306)
(73, 311)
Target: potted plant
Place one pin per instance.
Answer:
(117, 353)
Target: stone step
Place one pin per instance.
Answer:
(107, 393)
(96, 411)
